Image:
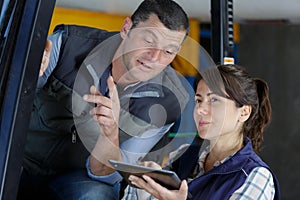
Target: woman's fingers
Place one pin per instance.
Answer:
(159, 191)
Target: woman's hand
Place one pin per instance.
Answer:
(159, 191)
(150, 164)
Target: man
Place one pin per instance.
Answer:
(135, 99)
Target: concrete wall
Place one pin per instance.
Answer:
(272, 51)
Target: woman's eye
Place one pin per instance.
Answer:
(214, 100)
(197, 101)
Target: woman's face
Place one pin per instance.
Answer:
(215, 116)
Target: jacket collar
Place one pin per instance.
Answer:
(238, 161)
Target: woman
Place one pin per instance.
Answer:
(231, 112)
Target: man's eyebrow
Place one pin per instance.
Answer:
(156, 37)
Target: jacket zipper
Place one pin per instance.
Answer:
(74, 137)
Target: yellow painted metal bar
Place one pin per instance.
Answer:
(187, 61)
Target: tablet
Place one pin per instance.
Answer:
(168, 179)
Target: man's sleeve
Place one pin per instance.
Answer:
(132, 150)
(110, 179)
(135, 148)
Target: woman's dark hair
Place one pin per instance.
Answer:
(234, 82)
(169, 13)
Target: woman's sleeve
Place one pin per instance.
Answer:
(259, 185)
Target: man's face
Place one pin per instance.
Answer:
(149, 48)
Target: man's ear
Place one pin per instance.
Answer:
(245, 113)
(126, 27)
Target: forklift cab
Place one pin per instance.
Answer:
(23, 33)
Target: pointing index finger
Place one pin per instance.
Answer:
(113, 92)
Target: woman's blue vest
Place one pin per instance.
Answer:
(221, 181)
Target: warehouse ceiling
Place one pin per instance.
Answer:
(244, 10)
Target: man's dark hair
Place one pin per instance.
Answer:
(169, 13)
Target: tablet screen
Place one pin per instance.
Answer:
(166, 178)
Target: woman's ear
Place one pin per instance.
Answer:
(245, 113)
(126, 27)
